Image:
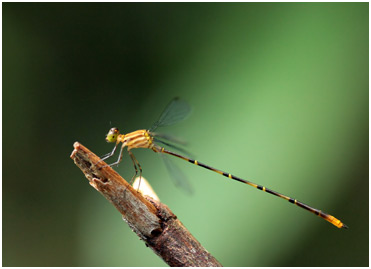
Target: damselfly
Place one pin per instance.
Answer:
(176, 111)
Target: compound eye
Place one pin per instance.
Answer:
(114, 130)
(112, 135)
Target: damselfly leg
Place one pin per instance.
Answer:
(136, 167)
(106, 156)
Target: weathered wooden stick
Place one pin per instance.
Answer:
(151, 220)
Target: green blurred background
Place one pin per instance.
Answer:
(279, 94)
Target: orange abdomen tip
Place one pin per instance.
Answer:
(337, 222)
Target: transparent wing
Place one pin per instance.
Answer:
(170, 138)
(177, 110)
(179, 177)
(174, 146)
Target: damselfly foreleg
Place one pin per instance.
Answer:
(106, 156)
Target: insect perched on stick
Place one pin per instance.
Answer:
(176, 111)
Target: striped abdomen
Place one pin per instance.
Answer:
(315, 211)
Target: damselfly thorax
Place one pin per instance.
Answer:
(136, 139)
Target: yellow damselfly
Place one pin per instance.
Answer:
(176, 111)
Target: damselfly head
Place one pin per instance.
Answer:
(112, 135)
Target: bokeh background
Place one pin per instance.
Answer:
(279, 94)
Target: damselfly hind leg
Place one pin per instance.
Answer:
(136, 167)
